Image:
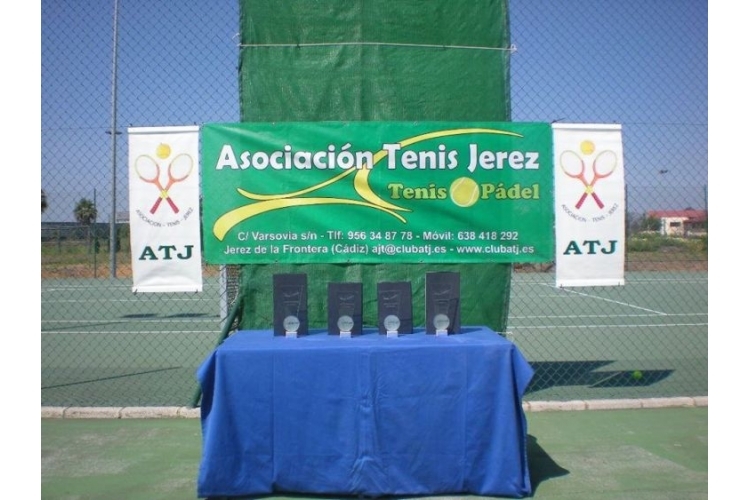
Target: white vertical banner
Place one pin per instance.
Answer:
(165, 233)
(589, 204)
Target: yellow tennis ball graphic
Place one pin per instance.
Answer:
(464, 192)
(163, 151)
(587, 147)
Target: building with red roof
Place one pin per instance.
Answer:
(686, 222)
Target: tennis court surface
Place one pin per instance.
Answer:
(653, 453)
(584, 343)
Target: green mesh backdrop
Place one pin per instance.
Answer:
(340, 60)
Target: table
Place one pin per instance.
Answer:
(368, 415)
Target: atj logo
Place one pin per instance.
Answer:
(149, 169)
(589, 167)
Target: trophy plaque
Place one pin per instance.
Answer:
(289, 305)
(394, 308)
(442, 303)
(345, 309)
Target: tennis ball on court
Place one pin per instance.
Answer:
(637, 375)
(587, 147)
(163, 151)
(464, 192)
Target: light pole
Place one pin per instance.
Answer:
(113, 133)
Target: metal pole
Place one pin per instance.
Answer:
(96, 211)
(113, 133)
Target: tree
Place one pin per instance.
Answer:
(85, 212)
(44, 201)
(650, 223)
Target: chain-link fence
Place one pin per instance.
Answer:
(109, 66)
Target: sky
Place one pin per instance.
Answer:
(643, 64)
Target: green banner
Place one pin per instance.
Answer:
(377, 192)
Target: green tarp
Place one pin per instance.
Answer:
(375, 60)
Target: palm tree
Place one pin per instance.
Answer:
(44, 201)
(85, 213)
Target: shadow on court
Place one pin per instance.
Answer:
(548, 374)
(541, 465)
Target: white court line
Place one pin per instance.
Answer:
(566, 316)
(123, 332)
(134, 320)
(109, 287)
(117, 288)
(557, 327)
(614, 301)
(637, 281)
(80, 301)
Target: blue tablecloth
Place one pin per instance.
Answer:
(369, 415)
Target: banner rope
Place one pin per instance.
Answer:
(511, 49)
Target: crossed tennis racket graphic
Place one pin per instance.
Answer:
(602, 166)
(149, 170)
